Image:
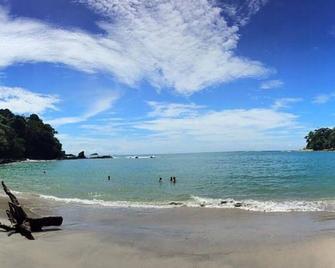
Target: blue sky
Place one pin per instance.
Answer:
(165, 76)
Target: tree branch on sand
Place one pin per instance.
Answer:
(20, 222)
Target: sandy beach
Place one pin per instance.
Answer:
(179, 237)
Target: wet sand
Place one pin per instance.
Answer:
(179, 237)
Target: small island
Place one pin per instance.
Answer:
(322, 139)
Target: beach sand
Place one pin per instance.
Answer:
(179, 237)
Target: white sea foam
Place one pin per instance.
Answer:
(195, 201)
(268, 206)
(103, 203)
(37, 161)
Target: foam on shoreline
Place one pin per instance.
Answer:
(195, 201)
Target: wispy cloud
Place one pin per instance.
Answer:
(160, 109)
(225, 123)
(185, 45)
(269, 84)
(198, 128)
(23, 101)
(323, 98)
(227, 129)
(240, 12)
(285, 103)
(96, 108)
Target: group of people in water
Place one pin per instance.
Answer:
(172, 179)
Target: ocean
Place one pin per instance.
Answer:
(257, 181)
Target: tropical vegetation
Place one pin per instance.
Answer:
(27, 137)
(321, 139)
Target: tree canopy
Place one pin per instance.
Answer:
(321, 139)
(27, 137)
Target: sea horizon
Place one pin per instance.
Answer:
(197, 152)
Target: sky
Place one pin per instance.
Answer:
(170, 76)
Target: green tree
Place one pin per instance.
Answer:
(321, 139)
(27, 137)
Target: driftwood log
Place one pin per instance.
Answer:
(20, 222)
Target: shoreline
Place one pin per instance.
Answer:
(265, 206)
(177, 237)
(8, 161)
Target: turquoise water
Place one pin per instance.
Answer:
(274, 181)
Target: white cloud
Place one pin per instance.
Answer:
(27, 40)
(23, 101)
(172, 109)
(271, 84)
(66, 120)
(323, 98)
(186, 45)
(196, 129)
(234, 123)
(96, 108)
(284, 103)
(240, 12)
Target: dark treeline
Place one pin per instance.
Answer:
(27, 137)
(321, 139)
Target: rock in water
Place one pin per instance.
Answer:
(238, 205)
(81, 155)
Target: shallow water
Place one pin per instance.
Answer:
(271, 181)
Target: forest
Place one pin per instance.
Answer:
(321, 139)
(28, 137)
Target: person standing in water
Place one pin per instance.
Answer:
(109, 177)
(160, 179)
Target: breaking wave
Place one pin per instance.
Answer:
(195, 201)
